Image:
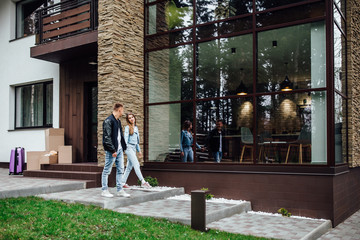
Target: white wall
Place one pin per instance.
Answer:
(17, 68)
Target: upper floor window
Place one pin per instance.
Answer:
(34, 104)
(25, 16)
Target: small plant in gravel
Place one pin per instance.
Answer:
(284, 212)
(209, 195)
(152, 181)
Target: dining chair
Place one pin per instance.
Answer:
(303, 141)
(264, 140)
(247, 141)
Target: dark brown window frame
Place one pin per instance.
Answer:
(329, 89)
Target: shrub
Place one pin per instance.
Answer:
(208, 196)
(284, 212)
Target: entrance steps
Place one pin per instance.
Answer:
(89, 172)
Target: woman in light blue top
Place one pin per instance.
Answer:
(132, 139)
(186, 142)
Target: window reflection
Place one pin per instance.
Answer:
(169, 39)
(223, 64)
(295, 52)
(342, 5)
(222, 28)
(290, 14)
(339, 60)
(164, 130)
(170, 74)
(338, 18)
(212, 10)
(340, 129)
(262, 5)
(169, 15)
(288, 124)
(236, 114)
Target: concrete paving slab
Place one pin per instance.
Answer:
(180, 210)
(272, 226)
(93, 196)
(348, 230)
(19, 186)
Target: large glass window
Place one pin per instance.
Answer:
(260, 93)
(288, 125)
(165, 124)
(340, 130)
(34, 104)
(236, 115)
(209, 11)
(292, 58)
(223, 65)
(169, 15)
(170, 74)
(262, 5)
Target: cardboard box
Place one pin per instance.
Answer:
(49, 159)
(33, 159)
(54, 137)
(66, 154)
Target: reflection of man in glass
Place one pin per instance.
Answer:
(216, 141)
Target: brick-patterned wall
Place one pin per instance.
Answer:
(353, 25)
(120, 62)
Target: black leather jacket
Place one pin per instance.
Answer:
(110, 134)
(213, 141)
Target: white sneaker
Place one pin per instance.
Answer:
(106, 193)
(145, 185)
(122, 193)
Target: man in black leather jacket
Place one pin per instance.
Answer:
(216, 141)
(114, 145)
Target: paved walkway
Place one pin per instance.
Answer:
(156, 203)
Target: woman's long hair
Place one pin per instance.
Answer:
(131, 127)
(187, 125)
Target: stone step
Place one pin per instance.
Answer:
(92, 178)
(93, 196)
(72, 167)
(180, 210)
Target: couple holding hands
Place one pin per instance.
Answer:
(115, 142)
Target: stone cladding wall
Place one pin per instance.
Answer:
(120, 62)
(353, 37)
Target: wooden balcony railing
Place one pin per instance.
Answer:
(65, 19)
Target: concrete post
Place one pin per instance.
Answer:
(198, 210)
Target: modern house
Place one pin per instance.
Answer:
(282, 76)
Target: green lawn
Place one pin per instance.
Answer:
(35, 218)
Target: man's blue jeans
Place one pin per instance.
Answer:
(217, 156)
(119, 163)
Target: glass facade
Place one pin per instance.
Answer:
(265, 80)
(340, 82)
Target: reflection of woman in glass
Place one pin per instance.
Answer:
(186, 142)
(132, 140)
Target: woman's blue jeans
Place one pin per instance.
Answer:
(188, 154)
(109, 162)
(132, 162)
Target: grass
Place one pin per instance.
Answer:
(35, 218)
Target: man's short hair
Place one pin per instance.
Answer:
(117, 106)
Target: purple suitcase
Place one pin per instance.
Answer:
(17, 160)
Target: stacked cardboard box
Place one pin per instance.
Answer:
(55, 152)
